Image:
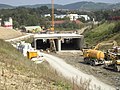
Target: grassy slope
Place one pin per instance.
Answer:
(17, 72)
(101, 33)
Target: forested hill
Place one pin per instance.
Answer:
(5, 6)
(84, 5)
(40, 5)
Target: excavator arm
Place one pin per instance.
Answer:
(113, 43)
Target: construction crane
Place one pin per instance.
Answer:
(113, 43)
(52, 28)
(52, 42)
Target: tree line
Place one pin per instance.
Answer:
(27, 16)
(35, 16)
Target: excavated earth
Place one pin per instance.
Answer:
(6, 33)
(76, 59)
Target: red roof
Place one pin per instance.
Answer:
(77, 21)
(59, 22)
(63, 21)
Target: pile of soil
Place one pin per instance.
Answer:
(6, 33)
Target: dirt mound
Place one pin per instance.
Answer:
(6, 33)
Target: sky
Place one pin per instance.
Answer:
(63, 2)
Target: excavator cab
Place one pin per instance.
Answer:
(113, 59)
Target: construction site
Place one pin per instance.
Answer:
(101, 61)
(67, 54)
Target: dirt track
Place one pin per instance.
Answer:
(107, 76)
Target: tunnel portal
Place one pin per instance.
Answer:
(61, 42)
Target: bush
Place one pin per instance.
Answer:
(69, 26)
(100, 33)
(116, 28)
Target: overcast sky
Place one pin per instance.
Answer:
(63, 2)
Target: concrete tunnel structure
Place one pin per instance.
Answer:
(62, 41)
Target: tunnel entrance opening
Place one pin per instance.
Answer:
(64, 44)
(70, 44)
(42, 44)
(58, 42)
(45, 44)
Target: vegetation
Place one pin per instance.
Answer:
(68, 25)
(21, 72)
(106, 31)
(17, 72)
(26, 16)
(34, 16)
(105, 14)
(83, 5)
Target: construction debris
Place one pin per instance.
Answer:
(29, 52)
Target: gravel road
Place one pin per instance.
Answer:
(107, 76)
(71, 73)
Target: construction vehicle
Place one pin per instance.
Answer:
(112, 60)
(95, 56)
(31, 54)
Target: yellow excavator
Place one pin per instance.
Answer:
(112, 59)
(94, 56)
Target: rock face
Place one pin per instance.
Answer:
(9, 33)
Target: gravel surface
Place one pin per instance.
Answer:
(104, 75)
(71, 73)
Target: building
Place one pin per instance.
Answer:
(9, 23)
(60, 16)
(32, 28)
(85, 16)
(73, 17)
(47, 15)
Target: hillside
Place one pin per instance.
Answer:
(9, 33)
(86, 6)
(19, 73)
(39, 5)
(115, 6)
(5, 6)
(104, 32)
(83, 5)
